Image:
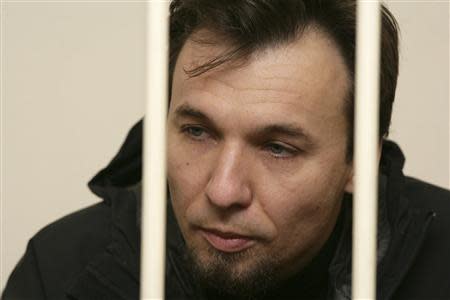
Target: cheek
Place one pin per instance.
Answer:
(291, 197)
(186, 174)
(304, 219)
(182, 185)
(304, 204)
(297, 215)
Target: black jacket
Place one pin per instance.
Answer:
(94, 253)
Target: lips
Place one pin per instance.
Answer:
(227, 241)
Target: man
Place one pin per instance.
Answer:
(259, 172)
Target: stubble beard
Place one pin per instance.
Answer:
(241, 275)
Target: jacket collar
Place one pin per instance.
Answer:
(409, 226)
(400, 234)
(113, 274)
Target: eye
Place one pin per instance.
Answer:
(280, 150)
(195, 132)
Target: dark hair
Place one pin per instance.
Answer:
(251, 25)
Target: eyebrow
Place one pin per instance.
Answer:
(187, 111)
(284, 129)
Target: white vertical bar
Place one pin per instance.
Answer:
(366, 148)
(2, 114)
(153, 232)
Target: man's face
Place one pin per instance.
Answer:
(256, 157)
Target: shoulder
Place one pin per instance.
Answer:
(77, 235)
(428, 276)
(63, 248)
(434, 200)
(427, 196)
(85, 223)
(58, 253)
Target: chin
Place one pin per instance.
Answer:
(245, 274)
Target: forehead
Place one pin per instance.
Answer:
(306, 79)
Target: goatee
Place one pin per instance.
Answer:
(240, 275)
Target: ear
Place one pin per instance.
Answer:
(349, 184)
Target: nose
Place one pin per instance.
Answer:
(228, 185)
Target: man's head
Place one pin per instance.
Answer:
(258, 133)
(251, 25)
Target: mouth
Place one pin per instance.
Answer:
(227, 241)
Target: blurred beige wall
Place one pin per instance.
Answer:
(73, 79)
(420, 122)
(73, 84)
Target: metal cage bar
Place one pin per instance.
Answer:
(366, 150)
(153, 234)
